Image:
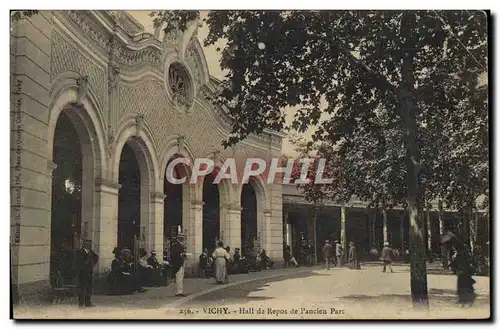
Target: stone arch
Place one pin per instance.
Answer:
(134, 132)
(227, 197)
(259, 186)
(85, 115)
(176, 146)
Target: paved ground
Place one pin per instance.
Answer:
(285, 294)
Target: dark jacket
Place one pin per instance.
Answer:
(327, 250)
(176, 256)
(85, 262)
(353, 253)
(386, 254)
(153, 262)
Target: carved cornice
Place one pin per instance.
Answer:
(51, 166)
(158, 196)
(122, 50)
(102, 182)
(197, 203)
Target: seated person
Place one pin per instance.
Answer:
(159, 275)
(145, 270)
(251, 256)
(122, 278)
(203, 262)
(266, 262)
(289, 259)
(240, 262)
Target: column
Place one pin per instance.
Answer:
(265, 234)
(232, 226)
(105, 228)
(385, 233)
(194, 229)
(157, 221)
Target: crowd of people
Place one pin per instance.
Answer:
(223, 262)
(129, 275)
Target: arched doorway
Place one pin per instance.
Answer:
(129, 199)
(174, 202)
(66, 209)
(211, 213)
(248, 216)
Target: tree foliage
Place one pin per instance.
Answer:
(406, 120)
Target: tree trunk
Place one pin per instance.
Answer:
(444, 251)
(402, 228)
(418, 269)
(343, 242)
(314, 235)
(473, 229)
(429, 232)
(384, 214)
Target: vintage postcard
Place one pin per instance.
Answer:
(326, 164)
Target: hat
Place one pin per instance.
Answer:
(87, 240)
(327, 241)
(153, 251)
(448, 237)
(336, 241)
(386, 244)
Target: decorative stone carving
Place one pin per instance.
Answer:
(111, 139)
(139, 123)
(180, 143)
(180, 86)
(192, 61)
(51, 166)
(65, 57)
(137, 58)
(82, 85)
(125, 22)
(113, 76)
(158, 196)
(81, 19)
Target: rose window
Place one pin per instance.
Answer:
(180, 85)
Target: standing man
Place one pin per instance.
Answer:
(178, 256)
(338, 253)
(387, 256)
(327, 253)
(86, 259)
(353, 256)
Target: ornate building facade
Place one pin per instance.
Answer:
(95, 101)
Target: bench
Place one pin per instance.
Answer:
(62, 292)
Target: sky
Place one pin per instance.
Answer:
(213, 57)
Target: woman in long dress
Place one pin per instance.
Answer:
(220, 256)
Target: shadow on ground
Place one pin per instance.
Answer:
(436, 296)
(240, 293)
